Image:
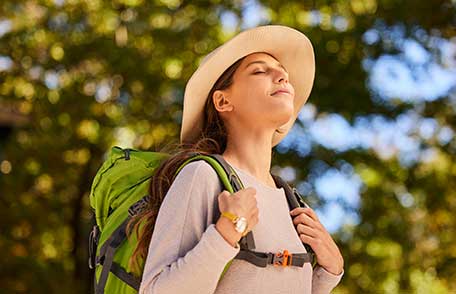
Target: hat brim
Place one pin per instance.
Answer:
(289, 46)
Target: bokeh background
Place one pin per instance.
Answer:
(373, 150)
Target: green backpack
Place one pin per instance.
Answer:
(120, 190)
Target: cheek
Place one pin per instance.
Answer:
(249, 102)
(257, 102)
(262, 104)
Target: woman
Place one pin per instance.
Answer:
(241, 101)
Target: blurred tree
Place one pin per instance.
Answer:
(86, 72)
(402, 243)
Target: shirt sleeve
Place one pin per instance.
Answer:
(186, 253)
(323, 282)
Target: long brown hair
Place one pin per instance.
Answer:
(213, 139)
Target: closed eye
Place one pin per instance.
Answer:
(257, 72)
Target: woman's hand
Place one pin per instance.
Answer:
(312, 232)
(242, 203)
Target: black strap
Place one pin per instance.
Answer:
(106, 257)
(262, 259)
(294, 200)
(235, 181)
(122, 274)
(105, 271)
(291, 198)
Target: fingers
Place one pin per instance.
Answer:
(253, 222)
(255, 211)
(309, 240)
(249, 191)
(307, 210)
(304, 219)
(303, 229)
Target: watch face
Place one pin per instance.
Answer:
(241, 225)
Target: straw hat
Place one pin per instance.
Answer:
(289, 46)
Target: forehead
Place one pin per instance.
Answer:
(260, 58)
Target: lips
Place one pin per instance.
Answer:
(281, 91)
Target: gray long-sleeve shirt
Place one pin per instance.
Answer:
(187, 254)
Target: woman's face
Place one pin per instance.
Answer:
(250, 101)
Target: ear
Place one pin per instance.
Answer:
(222, 102)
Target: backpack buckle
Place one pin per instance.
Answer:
(282, 258)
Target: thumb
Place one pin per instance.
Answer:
(225, 192)
(221, 196)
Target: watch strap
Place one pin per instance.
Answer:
(230, 215)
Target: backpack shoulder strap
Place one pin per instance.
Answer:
(227, 175)
(230, 181)
(294, 200)
(293, 197)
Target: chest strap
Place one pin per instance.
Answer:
(262, 259)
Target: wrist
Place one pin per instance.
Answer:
(240, 223)
(226, 228)
(334, 271)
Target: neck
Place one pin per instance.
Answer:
(252, 154)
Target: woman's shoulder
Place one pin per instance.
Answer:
(197, 181)
(199, 171)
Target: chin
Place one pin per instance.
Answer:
(285, 106)
(286, 111)
(283, 118)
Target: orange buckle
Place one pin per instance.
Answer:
(282, 259)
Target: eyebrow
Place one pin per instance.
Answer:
(263, 62)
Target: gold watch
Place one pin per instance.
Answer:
(240, 222)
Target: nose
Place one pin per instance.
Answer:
(281, 76)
